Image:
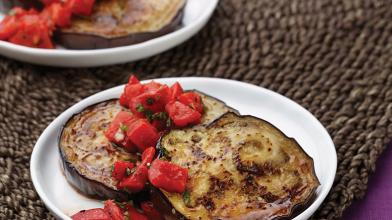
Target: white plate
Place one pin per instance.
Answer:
(197, 13)
(62, 200)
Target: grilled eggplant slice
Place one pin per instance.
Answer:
(122, 22)
(87, 156)
(240, 167)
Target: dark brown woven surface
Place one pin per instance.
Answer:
(332, 57)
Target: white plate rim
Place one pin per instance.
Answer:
(186, 31)
(303, 215)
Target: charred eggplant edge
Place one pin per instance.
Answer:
(219, 100)
(81, 183)
(295, 210)
(84, 41)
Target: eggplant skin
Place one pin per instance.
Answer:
(87, 156)
(213, 108)
(117, 23)
(240, 167)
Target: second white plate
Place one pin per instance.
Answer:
(196, 15)
(295, 121)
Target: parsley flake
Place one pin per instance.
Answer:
(123, 127)
(150, 101)
(140, 108)
(186, 197)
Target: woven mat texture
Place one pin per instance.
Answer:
(332, 57)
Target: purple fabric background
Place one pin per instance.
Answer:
(377, 204)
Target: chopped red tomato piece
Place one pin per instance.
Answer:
(121, 169)
(150, 101)
(92, 214)
(81, 7)
(130, 91)
(117, 131)
(168, 176)
(114, 211)
(133, 80)
(32, 33)
(152, 86)
(176, 90)
(136, 181)
(192, 100)
(8, 27)
(182, 115)
(148, 155)
(149, 210)
(134, 214)
(56, 14)
(142, 134)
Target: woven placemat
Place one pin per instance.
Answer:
(332, 57)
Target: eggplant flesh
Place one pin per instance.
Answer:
(213, 108)
(122, 22)
(240, 167)
(87, 156)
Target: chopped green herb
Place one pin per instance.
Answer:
(140, 108)
(186, 197)
(158, 97)
(112, 168)
(148, 113)
(131, 159)
(120, 204)
(123, 127)
(150, 101)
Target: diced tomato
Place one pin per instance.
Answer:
(133, 80)
(176, 90)
(49, 2)
(120, 169)
(134, 214)
(32, 33)
(182, 115)
(150, 211)
(114, 211)
(192, 100)
(92, 214)
(150, 101)
(136, 181)
(117, 131)
(168, 176)
(81, 7)
(8, 27)
(130, 91)
(148, 155)
(152, 86)
(56, 14)
(142, 134)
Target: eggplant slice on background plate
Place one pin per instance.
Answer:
(240, 167)
(116, 23)
(87, 156)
